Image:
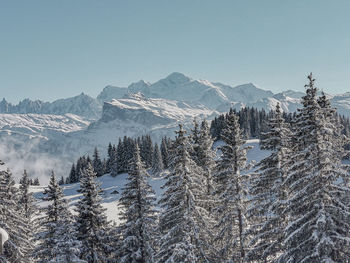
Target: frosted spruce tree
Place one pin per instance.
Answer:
(56, 241)
(194, 140)
(28, 210)
(165, 152)
(139, 215)
(92, 225)
(267, 202)
(231, 193)
(67, 247)
(318, 229)
(157, 162)
(97, 163)
(12, 221)
(206, 160)
(183, 224)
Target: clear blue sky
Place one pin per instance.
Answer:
(56, 49)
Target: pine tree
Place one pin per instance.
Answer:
(97, 163)
(61, 181)
(266, 215)
(194, 140)
(53, 224)
(36, 181)
(92, 224)
(113, 162)
(121, 157)
(12, 222)
(146, 150)
(157, 163)
(137, 202)
(182, 222)
(108, 163)
(206, 160)
(72, 175)
(28, 210)
(165, 153)
(67, 247)
(318, 229)
(231, 192)
(26, 198)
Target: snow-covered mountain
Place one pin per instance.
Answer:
(68, 128)
(215, 95)
(175, 87)
(81, 105)
(179, 87)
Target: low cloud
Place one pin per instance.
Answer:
(21, 154)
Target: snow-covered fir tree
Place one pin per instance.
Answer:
(267, 196)
(318, 229)
(146, 150)
(139, 215)
(28, 210)
(67, 247)
(194, 140)
(56, 228)
(157, 162)
(206, 160)
(113, 162)
(12, 221)
(110, 149)
(26, 198)
(92, 225)
(72, 178)
(183, 224)
(60, 224)
(36, 181)
(121, 156)
(165, 152)
(231, 192)
(97, 163)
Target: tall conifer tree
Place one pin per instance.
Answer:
(139, 214)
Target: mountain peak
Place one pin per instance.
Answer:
(177, 77)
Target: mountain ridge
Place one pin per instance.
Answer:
(176, 86)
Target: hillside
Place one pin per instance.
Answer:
(111, 184)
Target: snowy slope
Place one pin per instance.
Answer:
(41, 124)
(112, 186)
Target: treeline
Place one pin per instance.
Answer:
(253, 122)
(32, 181)
(153, 156)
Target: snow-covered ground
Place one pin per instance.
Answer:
(112, 186)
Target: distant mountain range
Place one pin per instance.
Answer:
(212, 95)
(68, 128)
